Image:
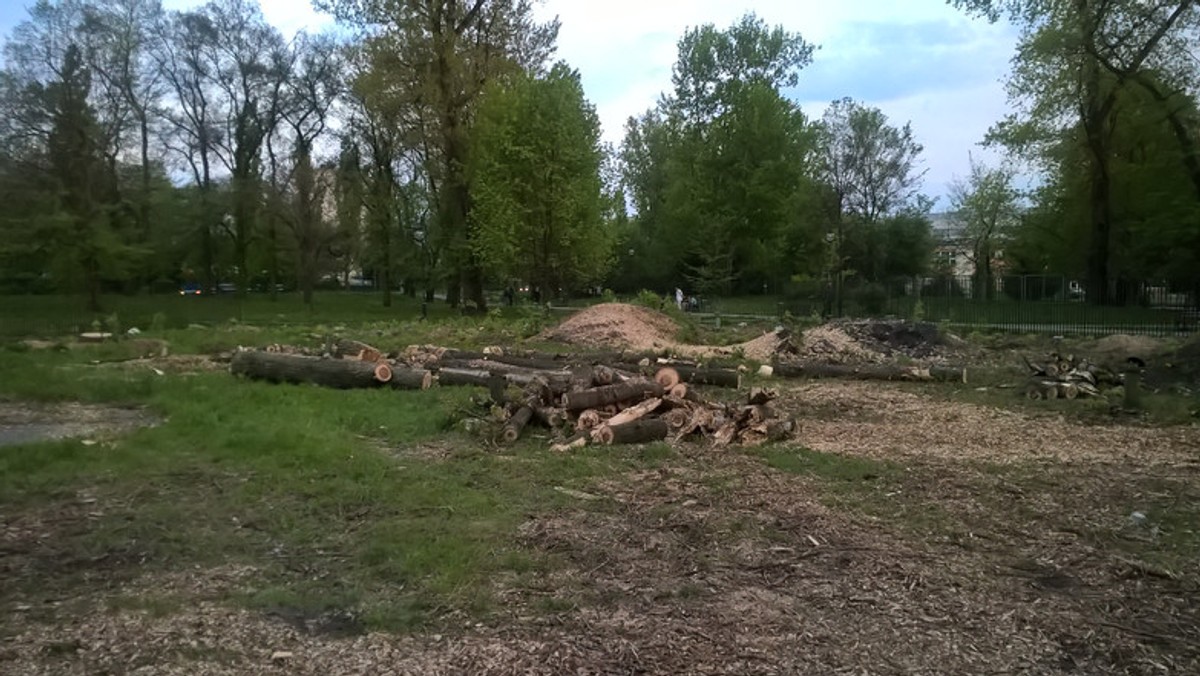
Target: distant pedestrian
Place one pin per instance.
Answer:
(679, 298)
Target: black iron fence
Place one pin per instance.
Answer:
(1031, 303)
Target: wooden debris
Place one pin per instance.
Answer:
(516, 424)
(288, 368)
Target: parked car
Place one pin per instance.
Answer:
(190, 289)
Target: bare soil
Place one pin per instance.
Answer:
(22, 423)
(973, 541)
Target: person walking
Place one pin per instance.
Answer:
(679, 298)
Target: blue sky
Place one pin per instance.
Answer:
(919, 61)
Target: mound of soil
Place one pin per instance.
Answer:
(1122, 346)
(615, 325)
(872, 341)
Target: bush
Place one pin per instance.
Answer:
(650, 299)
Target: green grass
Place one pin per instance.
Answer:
(312, 486)
(57, 315)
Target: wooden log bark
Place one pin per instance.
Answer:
(516, 424)
(598, 397)
(709, 376)
(871, 372)
(288, 368)
(588, 420)
(353, 349)
(667, 377)
(603, 375)
(404, 378)
(635, 412)
(582, 378)
(557, 381)
(636, 432)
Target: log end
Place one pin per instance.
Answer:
(383, 372)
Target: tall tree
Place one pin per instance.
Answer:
(868, 170)
(717, 171)
(1074, 58)
(437, 56)
(986, 208)
(538, 196)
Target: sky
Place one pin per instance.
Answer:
(919, 61)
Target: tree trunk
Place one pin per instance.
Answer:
(600, 397)
(404, 378)
(636, 432)
(516, 424)
(871, 372)
(705, 376)
(288, 368)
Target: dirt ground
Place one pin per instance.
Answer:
(971, 541)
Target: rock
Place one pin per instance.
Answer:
(766, 371)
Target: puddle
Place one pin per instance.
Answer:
(24, 423)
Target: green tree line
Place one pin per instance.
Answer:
(436, 147)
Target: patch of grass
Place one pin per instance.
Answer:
(289, 479)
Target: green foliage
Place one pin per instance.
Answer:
(535, 173)
(718, 172)
(650, 299)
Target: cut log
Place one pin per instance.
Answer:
(635, 412)
(353, 349)
(457, 376)
(94, 337)
(603, 375)
(667, 377)
(548, 417)
(871, 372)
(679, 391)
(582, 378)
(700, 420)
(516, 424)
(636, 432)
(288, 368)
(404, 378)
(599, 397)
(676, 419)
(588, 420)
(708, 376)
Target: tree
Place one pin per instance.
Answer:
(1074, 59)
(54, 130)
(868, 172)
(306, 101)
(717, 173)
(986, 207)
(433, 60)
(538, 196)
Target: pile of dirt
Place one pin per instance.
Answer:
(1122, 346)
(615, 325)
(871, 341)
(831, 344)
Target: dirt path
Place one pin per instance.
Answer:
(958, 546)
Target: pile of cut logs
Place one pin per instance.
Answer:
(603, 398)
(1067, 377)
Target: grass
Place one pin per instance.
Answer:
(309, 485)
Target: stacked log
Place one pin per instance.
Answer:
(1066, 377)
(591, 399)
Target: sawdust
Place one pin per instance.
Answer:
(832, 344)
(877, 421)
(616, 325)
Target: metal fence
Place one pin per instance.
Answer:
(1029, 303)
